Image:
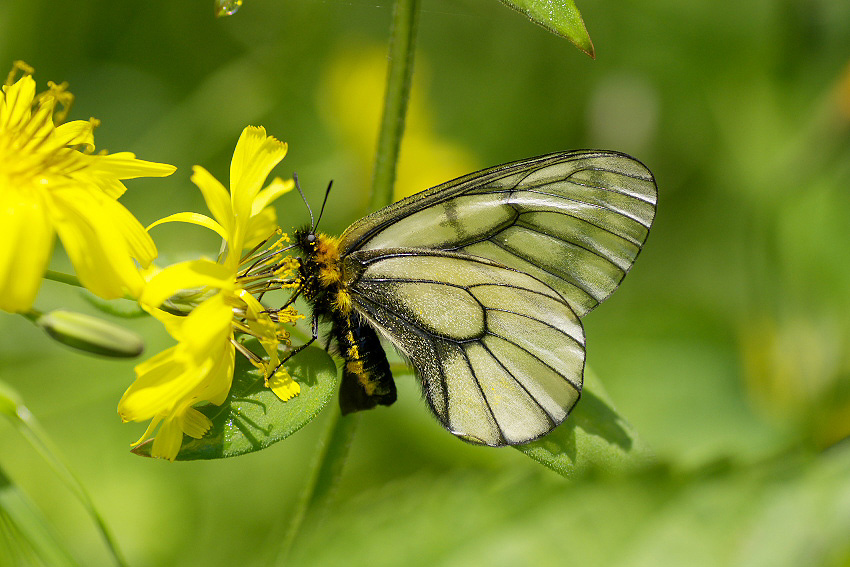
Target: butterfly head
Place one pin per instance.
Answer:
(307, 240)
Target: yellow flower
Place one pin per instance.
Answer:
(200, 367)
(242, 217)
(48, 185)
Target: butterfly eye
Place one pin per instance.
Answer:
(310, 238)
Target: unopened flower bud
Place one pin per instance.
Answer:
(90, 334)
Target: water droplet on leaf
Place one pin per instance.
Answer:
(226, 7)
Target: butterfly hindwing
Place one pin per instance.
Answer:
(574, 220)
(500, 354)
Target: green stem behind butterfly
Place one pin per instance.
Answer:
(333, 453)
(397, 93)
(324, 474)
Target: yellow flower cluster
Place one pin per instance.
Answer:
(52, 182)
(200, 367)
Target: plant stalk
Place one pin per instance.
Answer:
(397, 94)
(330, 460)
(62, 278)
(324, 474)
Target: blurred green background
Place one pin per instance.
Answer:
(726, 347)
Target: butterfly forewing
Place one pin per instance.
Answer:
(574, 220)
(500, 353)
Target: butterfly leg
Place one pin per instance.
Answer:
(296, 350)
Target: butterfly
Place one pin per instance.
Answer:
(480, 283)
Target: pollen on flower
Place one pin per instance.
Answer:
(18, 66)
(286, 316)
(287, 267)
(282, 239)
(264, 270)
(60, 93)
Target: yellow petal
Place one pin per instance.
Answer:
(199, 367)
(110, 186)
(275, 189)
(27, 239)
(97, 248)
(208, 328)
(186, 275)
(255, 156)
(283, 386)
(76, 133)
(16, 103)
(148, 432)
(194, 423)
(139, 242)
(194, 218)
(160, 384)
(163, 390)
(38, 131)
(158, 363)
(217, 386)
(125, 165)
(258, 315)
(262, 327)
(167, 442)
(216, 197)
(260, 227)
(106, 171)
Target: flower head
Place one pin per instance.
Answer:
(51, 182)
(200, 367)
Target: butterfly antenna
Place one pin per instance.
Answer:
(303, 198)
(324, 202)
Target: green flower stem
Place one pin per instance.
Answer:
(324, 474)
(26, 423)
(399, 74)
(32, 315)
(62, 278)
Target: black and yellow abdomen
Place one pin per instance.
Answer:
(366, 377)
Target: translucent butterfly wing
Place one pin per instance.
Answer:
(574, 220)
(500, 354)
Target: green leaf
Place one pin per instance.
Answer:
(27, 537)
(594, 436)
(252, 417)
(560, 17)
